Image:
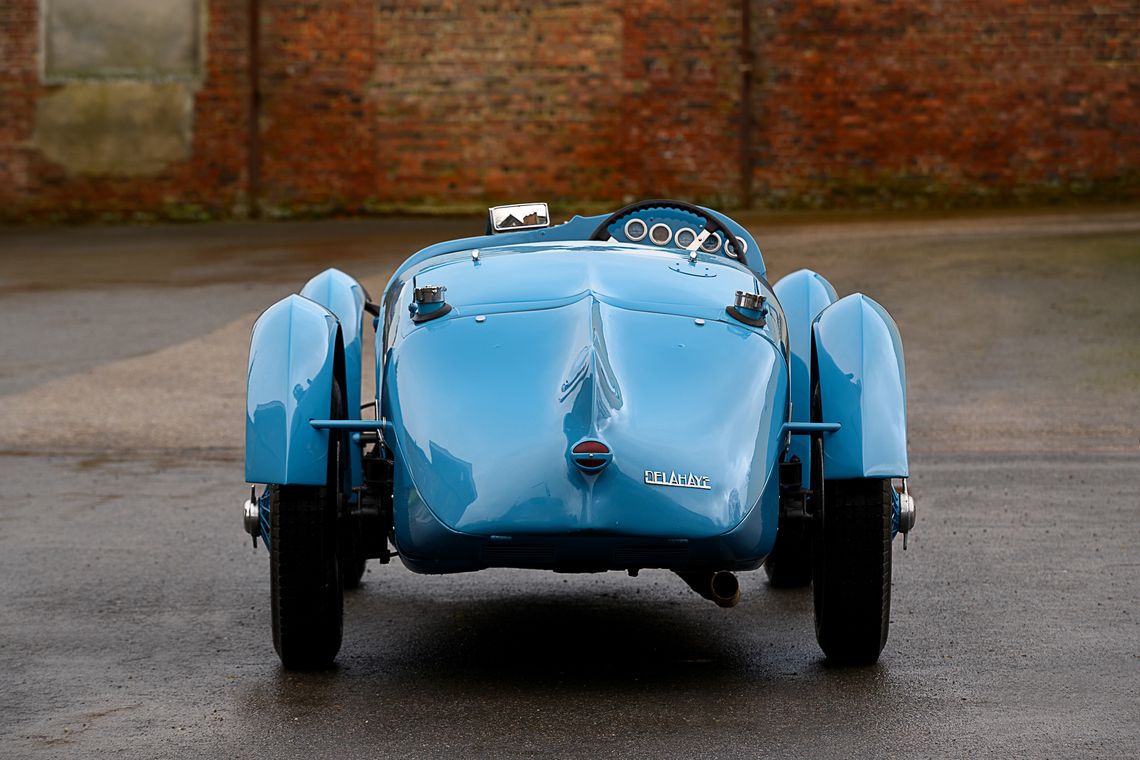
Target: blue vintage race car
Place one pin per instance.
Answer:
(613, 393)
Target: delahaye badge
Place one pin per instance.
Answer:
(679, 480)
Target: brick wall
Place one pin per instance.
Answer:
(681, 99)
(368, 104)
(518, 100)
(974, 98)
(211, 181)
(318, 125)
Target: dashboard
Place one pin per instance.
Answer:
(670, 228)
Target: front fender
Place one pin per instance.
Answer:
(293, 358)
(858, 360)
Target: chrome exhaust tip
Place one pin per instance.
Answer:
(725, 589)
(721, 588)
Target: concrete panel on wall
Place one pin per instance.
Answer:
(118, 129)
(135, 39)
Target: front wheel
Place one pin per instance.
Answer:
(851, 570)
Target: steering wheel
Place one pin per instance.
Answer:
(712, 224)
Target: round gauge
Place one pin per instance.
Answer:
(712, 243)
(730, 247)
(660, 234)
(635, 230)
(685, 237)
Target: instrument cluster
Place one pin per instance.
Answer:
(672, 232)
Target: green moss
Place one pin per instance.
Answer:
(870, 192)
(913, 193)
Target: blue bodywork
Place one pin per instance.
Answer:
(552, 339)
(610, 342)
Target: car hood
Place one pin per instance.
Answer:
(537, 276)
(486, 408)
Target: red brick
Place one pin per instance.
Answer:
(394, 102)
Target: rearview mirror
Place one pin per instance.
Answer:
(518, 216)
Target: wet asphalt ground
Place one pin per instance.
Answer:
(134, 616)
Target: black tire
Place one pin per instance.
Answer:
(852, 570)
(307, 602)
(351, 571)
(307, 597)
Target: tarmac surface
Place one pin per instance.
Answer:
(134, 616)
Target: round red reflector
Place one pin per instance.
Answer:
(591, 447)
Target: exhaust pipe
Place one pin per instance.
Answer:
(721, 588)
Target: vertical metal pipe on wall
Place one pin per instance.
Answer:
(746, 70)
(253, 133)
